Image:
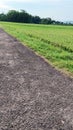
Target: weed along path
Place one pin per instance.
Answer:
(33, 95)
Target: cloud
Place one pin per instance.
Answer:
(18, 1)
(4, 6)
(26, 1)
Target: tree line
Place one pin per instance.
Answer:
(24, 17)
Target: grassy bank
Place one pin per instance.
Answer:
(53, 42)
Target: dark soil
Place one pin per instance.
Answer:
(33, 94)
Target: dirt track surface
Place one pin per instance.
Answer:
(33, 95)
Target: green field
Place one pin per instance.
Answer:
(53, 42)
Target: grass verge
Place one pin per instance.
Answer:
(55, 43)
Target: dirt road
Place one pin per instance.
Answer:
(33, 95)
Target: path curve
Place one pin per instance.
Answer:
(33, 95)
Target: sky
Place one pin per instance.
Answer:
(61, 10)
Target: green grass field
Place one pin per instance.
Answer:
(53, 42)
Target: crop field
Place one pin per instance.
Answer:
(53, 42)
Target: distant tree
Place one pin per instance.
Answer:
(24, 17)
(59, 23)
(3, 17)
(46, 21)
(13, 16)
(36, 19)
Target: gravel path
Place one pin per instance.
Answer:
(33, 95)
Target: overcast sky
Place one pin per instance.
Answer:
(56, 9)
